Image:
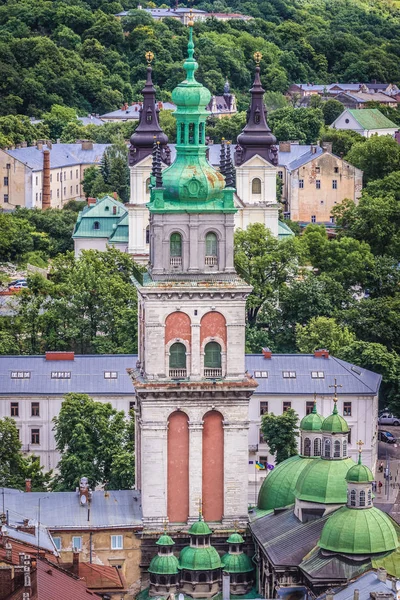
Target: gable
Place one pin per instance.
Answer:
(341, 121)
(257, 161)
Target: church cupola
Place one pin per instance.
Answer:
(311, 435)
(335, 433)
(164, 568)
(149, 128)
(256, 137)
(238, 565)
(359, 484)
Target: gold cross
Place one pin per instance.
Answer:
(257, 57)
(149, 57)
(360, 444)
(165, 525)
(200, 510)
(336, 386)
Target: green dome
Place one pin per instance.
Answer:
(165, 540)
(335, 423)
(235, 538)
(359, 473)
(199, 559)
(199, 527)
(324, 481)
(312, 422)
(236, 563)
(278, 487)
(358, 531)
(166, 564)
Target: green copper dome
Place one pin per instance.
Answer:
(279, 486)
(165, 540)
(335, 423)
(313, 421)
(353, 531)
(236, 563)
(199, 559)
(199, 527)
(235, 538)
(166, 564)
(324, 481)
(359, 473)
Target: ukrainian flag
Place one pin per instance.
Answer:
(260, 466)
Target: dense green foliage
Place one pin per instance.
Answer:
(280, 433)
(95, 441)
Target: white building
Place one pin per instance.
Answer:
(365, 121)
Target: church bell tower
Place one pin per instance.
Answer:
(190, 382)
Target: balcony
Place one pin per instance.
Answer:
(212, 373)
(175, 261)
(211, 261)
(177, 373)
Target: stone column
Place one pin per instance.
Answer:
(235, 349)
(195, 367)
(236, 458)
(157, 255)
(229, 228)
(193, 246)
(154, 473)
(195, 468)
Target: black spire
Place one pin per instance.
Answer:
(222, 158)
(158, 167)
(149, 127)
(154, 155)
(230, 182)
(256, 137)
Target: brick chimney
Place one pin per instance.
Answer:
(322, 353)
(46, 201)
(267, 353)
(28, 485)
(8, 548)
(91, 201)
(75, 563)
(381, 573)
(60, 355)
(87, 145)
(327, 146)
(39, 144)
(284, 146)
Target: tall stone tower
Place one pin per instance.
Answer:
(140, 161)
(191, 387)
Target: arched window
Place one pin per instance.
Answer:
(182, 130)
(175, 249)
(344, 448)
(256, 186)
(188, 576)
(202, 577)
(327, 448)
(353, 498)
(336, 449)
(212, 360)
(362, 498)
(177, 360)
(148, 185)
(96, 225)
(163, 580)
(211, 249)
(369, 498)
(307, 447)
(317, 447)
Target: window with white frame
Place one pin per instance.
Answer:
(77, 543)
(317, 374)
(259, 374)
(110, 375)
(117, 542)
(57, 542)
(61, 374)
(289, 374)
(20, 375)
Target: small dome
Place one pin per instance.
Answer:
(235, 538)
(324, 481)
(279, 486)
(359, 473)
(236, 563)
(313, 421)
(199, 527)
(353, 531)
(166, 564)
(165, 540)
(335, 423)
(199, 559)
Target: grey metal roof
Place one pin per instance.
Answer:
(87, 375)
(45, 539)
(90, 120)
(62, 510)
(133, 111)
(61, 155)
(321, 566)
(366, 584)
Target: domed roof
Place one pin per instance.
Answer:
(165, 540)
(235, 538)
(199, 559)
(359, 473)
(324, 481)
(358, 531)
(165, 564)
(199, 527)
(335, 423)
(313, 421)
(278, 487)
(236, 563)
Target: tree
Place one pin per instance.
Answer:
(95, 441)
(342, 140)
(302, 124)
(229, 129)
(378, 156)
(323, 332)
(331, 109)
(58, 118)
(280, 433)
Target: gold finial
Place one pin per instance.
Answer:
(228, 142)
(360, 444)
(235, 524)
(200, 510)
(165, 526)
(336, 386)
(257, 57)
(191, 21)
(149, 57)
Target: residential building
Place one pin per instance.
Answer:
(132, 112)
(184, 15)
(223, 105)
(372, 584)
(23, 172)
(333, 89)
(367, 122)
(314, 181)
(360, 99)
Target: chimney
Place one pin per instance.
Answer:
(39, 144)
(313, 149)
(267, 353)
(87, 145)
(284, 146)
(115, 195)
(381, 574)
(6, 582)
(28, 485)
(84, 491)
(8, 547)
(75, 563)
(46, 202)
(49, 144)
(356, 595)
(327, 146)
(60, 355)
(27, 575)
(322, 353)
(329, 596)
(91, 201)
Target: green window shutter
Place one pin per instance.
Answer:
(212, 357)
(211, 244)
(177, 356)
(175, 244)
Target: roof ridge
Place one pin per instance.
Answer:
(343, 363)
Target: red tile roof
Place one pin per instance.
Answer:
(18, 548)
(100, 577)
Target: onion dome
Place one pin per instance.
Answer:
(199, 559)
(200, 527)
(324, 481)
(236, 561)
(313, 421)
(359, 473)
(235, 538)
(278, 488)
(165, 540)
(164, 563)
(335, 422)
(352, 531)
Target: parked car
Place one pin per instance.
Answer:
(16, 282)
(387, 437)
(17, 287)
(386, 418)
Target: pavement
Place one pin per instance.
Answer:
(387, 496)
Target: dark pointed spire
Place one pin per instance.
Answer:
(154, 155)
(158, 167)
(230, 183)
(222, 158)
(256, 137)
(142, 138)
